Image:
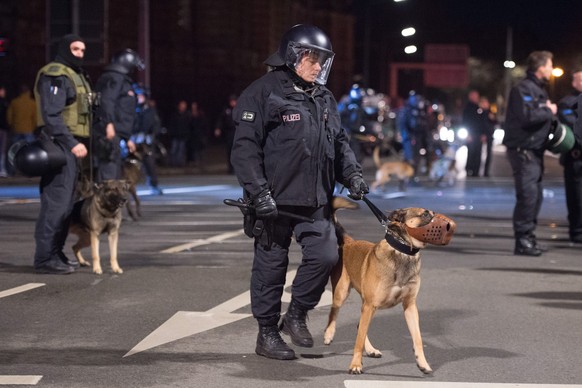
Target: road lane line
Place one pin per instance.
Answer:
(198, 242)
(444, 384)
(19, 379)
(17, 290)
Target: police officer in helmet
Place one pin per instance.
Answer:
(289, 151)
(114, 120)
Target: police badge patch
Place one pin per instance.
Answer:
(248, 116)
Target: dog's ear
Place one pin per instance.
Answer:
(397, 227)
(97, 186)
(398, 215)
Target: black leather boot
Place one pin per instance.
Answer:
(524, 246)
(536, 244)
(294, 324)
(271, 345)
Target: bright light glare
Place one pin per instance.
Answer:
(462, 133)
(398, 1)
(409, 31)
(410, 49)
(557, 72)
(509, 64)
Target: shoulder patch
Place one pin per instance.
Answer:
(248, 116)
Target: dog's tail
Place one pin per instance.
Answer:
(341, 203)
(376, 157)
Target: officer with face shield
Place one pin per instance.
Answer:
(289, 151)
(61, 92)
(115, 116)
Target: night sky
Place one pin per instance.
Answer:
(537, 25)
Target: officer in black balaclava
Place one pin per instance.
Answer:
(61, 91)
(114, 120)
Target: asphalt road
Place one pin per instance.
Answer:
(179, 315)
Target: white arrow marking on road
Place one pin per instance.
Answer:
(18, 290)
(186, 323)
(19, 380)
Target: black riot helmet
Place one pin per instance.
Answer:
(32, 159)
(128, 60)
(300, 40)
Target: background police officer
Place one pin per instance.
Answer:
(568, 108)
(115, 116)
(61, 93)
(527, 125)
(288, 148)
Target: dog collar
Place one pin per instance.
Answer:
(400, 246)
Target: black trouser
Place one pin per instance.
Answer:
(528, 169)
(320, 253)
(56, 203)
(573, 186)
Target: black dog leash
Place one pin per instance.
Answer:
(389, 237)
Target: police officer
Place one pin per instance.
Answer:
(568, 108)
(61, 92)
(115, 116)
(527, 125)
(353, 119)
(289, 150)
(146, 128)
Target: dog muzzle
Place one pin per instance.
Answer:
(438, 231)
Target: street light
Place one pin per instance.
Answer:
(509, 64)
(410, 49)
(557, 72)
(409, 31)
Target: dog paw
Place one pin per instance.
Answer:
(355, 370)
(374, 354)
(98, 271)
(117, 270)
(84, 263)
(425, 369)
(327, 338)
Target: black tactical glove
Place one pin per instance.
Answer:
(265, 206)
(357, 187)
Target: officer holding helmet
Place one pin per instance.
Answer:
(289, 150)
(114, 120)
(61, 92)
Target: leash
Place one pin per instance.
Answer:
(389, 237)
(377, 212)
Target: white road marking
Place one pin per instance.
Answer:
(186, 323)
(444, 384)
(198, 242)
(182, 190)
(19, 379)
(17, 290)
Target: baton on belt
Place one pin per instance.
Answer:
(243, 205)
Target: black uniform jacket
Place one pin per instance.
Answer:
(118, 103)
(280, 145)
(528, 119)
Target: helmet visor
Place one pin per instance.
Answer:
(323, 57)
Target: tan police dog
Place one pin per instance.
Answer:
(385, 274)
(97, 214)
(399, 169)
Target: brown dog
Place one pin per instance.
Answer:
(97, 214)
(399, 169)
(132, 174)
(385, 274)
